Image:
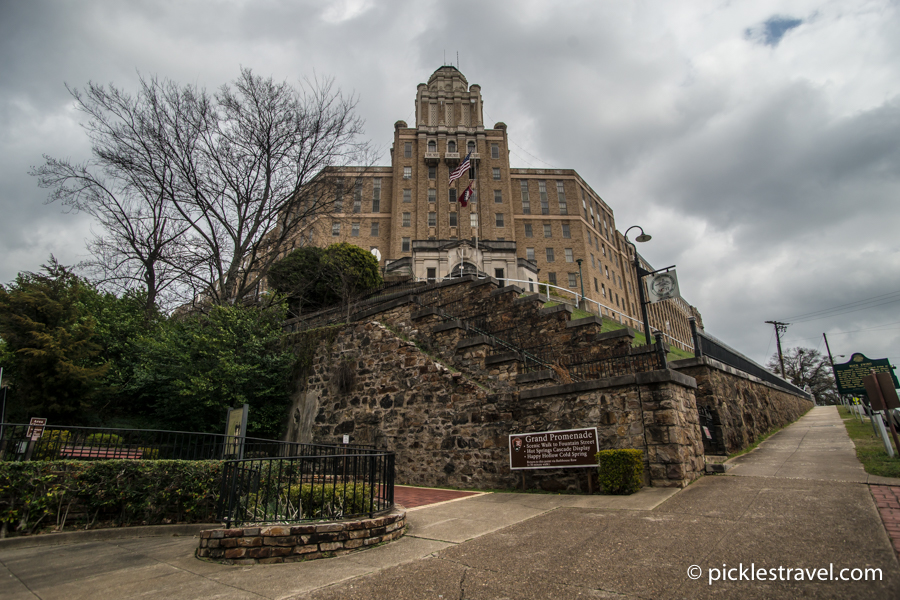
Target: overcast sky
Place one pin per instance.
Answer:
(757, 142)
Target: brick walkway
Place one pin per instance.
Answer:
(413, 497)
(887, 498)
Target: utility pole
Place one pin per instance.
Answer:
(833, 374)
(780, 328)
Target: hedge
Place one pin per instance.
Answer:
(620, 471)
(39, 495)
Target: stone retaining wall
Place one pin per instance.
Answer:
(292, 543)
(744, 407)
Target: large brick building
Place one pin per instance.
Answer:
(525, 225)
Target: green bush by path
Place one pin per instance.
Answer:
(39, 495)
(620, 471)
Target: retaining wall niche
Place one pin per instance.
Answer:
(746, 407)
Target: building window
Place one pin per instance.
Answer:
(432, 219)
(376, 195)
(407, 219)
(354, 230)
(567, 233)
(407, 150)
(607, 272)
(529, 253)
(495, 150)
(407, 196)
(473, 220)
(593, 223)
(432, 172)
(451, 146)
(500, 220)
(550, 255)
(432, 195)
(451, 195)
(335, 228)
(374, 231)
(592, 261)
(498, 197)
(596, 289)
(526, 203)
(500, 275)
(573, 280)
(548, 230)
(561, 195)
(407, 172)
(432, 146)
(569, 256)
(432, 274)
(545, 204)
(496, 173)
(583, 203)
(528, 231)
(404, 245)
(551, 277)
(603, 289)
(471, 147)
(339, 196)
(453, 219)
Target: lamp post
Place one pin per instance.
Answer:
(581, 279)
(641, 272)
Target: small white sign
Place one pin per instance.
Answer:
(662, 286)
(346, 438)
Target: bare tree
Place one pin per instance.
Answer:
(806, 367)
(220, 183)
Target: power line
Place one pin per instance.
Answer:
(858, 305)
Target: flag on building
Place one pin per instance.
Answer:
(467, 196)
(461, 169)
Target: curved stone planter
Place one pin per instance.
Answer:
(291, 543)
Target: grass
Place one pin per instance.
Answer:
(869, 447)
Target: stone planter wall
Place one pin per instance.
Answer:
(292, 543)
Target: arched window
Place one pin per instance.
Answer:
(432, 146)
(471, 146)
(451, 146)
(464, 268)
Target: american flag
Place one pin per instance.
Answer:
(462, 168)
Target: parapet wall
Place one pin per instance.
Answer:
(743, 406)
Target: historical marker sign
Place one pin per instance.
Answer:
(850, 374)
(553, 449)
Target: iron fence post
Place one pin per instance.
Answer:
(660, 351)
(695, 337)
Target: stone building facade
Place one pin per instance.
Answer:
(530, 225)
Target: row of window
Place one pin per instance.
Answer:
(548, 230)
(451, 147)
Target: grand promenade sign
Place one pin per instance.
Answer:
(553, 449)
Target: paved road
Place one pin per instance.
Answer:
(796, 502)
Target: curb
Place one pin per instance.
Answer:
(102, 535)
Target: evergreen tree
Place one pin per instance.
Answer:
(50, 347)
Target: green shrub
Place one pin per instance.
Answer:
(104, 439)
(48, 446)
(620, 471)
(35, 495)
(308, 501)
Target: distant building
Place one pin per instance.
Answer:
(524, 226)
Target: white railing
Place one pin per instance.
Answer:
(535, 286)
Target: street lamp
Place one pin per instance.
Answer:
(641, 272)
(581, 279)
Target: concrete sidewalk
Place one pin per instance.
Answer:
(796, 502)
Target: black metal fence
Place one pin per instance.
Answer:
(706, 345)
(337, 484)
(586, 367)
(94, 443)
